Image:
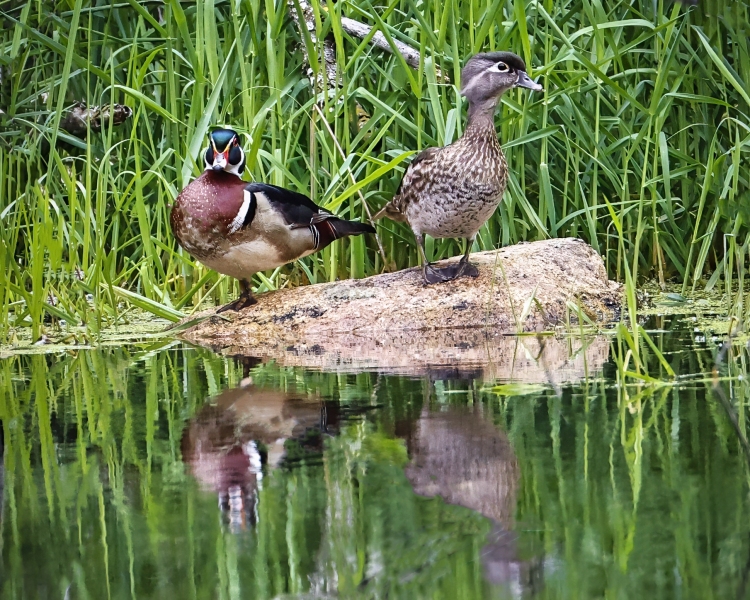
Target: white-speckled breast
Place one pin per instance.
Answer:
(465, 185)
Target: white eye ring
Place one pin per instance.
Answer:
(499, 67)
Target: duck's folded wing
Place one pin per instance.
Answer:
(295, 208)
(299, 212)
(412, 184)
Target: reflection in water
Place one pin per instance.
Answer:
(459, 454)
(230, 439)
(466, 353)
(113, 460)
(2, 483)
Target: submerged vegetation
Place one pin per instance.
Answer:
(639, 143)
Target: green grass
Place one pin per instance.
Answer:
(639, 144)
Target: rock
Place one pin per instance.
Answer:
(393, 321)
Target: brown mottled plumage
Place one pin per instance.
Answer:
(452, 191)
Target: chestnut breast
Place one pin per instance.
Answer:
(204, 210)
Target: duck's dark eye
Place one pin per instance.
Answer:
(235, 155)
(502, 67)
(210, 155)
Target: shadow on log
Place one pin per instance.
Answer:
(394, 323)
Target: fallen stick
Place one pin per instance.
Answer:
(357, 29)
(412, 57)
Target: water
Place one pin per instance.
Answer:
(166, 471)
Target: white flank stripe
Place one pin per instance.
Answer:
(240, 218)
(251, 451)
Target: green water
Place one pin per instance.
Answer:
(172, 472)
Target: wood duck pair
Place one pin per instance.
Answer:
(239, 228)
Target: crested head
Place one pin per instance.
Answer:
(486, 76)
(224, 152)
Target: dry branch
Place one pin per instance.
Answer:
(410, 55)
(356, 29)
(81, 117)
(332, 79)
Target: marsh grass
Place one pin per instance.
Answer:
(638, 145)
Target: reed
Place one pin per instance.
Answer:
(644, 122)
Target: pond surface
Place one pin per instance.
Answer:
(167, 471)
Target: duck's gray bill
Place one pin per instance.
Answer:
(525, 81)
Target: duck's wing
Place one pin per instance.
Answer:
(295, 208)
(412, 184)
(291, 208)
(298, 212)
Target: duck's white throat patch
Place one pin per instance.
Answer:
(227, 166)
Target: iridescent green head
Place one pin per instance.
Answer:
(224, 152)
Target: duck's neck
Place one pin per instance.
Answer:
(481, 121)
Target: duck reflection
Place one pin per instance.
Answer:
(230, 440)
(459, 454)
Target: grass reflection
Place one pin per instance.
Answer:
(98, 503)
(615, 486)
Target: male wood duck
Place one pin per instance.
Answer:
(239, 228)
(450, 192)
(229, 441)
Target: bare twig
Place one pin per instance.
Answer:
(356, 29)
(411, 56)
(361, 30)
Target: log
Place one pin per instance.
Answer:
(394, 323)
(80, 118)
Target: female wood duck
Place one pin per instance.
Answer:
(239, 228)
(452, 191)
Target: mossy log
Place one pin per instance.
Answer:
(394, 322)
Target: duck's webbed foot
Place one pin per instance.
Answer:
(430, 274)
(244, 300)
(434, 275)
(470, 270)
(463, 268)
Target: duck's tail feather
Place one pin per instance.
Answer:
(327, 230)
